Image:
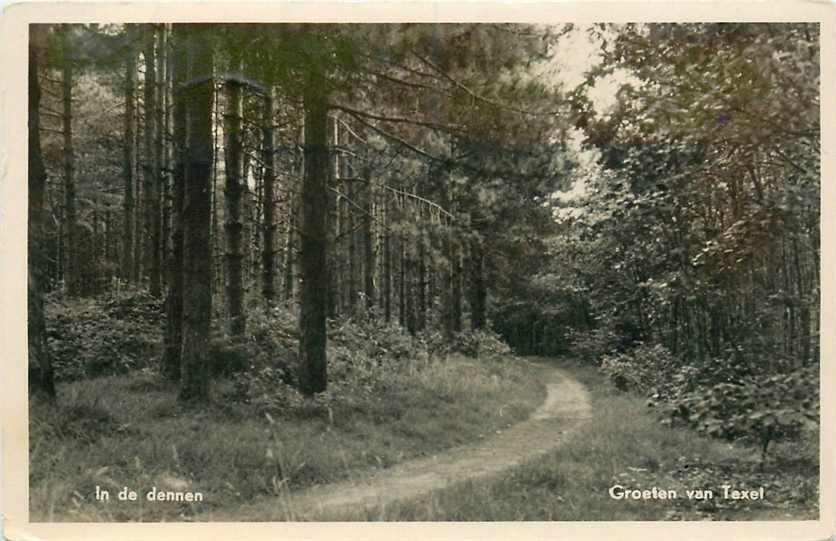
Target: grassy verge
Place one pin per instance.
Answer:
(129, 431)
(624, 444)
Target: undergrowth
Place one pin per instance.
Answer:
(391, 397)
(624, 444)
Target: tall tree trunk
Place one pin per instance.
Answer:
(41, 379)
(421, 321)
(129, 157)
(94, 263)
(339, 274)
(164, 144)
(268, 201)
(456, 288)
(314, 237)
(401, 280)
(290, 248)
(233, 192)
(351, 287)
(446, 285)
(368, 241)
(71, 271)
(151, 166)
(173, 338)
(336, 232)
(480, 293)
(197, 267)
(219, 271)
(409, 285)
(138, 219)
(387, 261)
(804, 306)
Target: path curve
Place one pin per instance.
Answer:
(566, 406)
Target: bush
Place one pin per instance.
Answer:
(90, 337)
(764, 409)
(363, 356)
(723, 397)
(479, 343)
(645, 369)
(368, 360)
(471, 343)
(591, 345)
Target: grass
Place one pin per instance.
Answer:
(624, 444)
(129, 431)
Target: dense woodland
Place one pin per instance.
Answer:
(193, 187)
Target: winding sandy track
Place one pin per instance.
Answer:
(566, 407)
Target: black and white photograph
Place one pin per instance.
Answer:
(420, 272)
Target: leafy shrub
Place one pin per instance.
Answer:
(732, 368)
(368, 360)
(591, 345)
(91, 337)
(722, 397)
(764, 409)
(474, 344)
(363, 357)
(643, 369)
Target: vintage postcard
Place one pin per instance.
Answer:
(460, 270)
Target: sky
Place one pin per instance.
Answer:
(578, 53)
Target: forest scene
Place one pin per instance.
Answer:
(423, 272)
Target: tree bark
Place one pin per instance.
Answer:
(290, 249)
(164, 147)
(151, 166)
(138, 219)
(387, 263)
(233, 191)
(197, 267)
(41, 379)
(129, 157)
(368, 241)
(268, 201)
(352, 285)
(172, 340)
(71, 271)
(408, 285)
(479, 293)
(314, 237)
(421, 319)
(456, 288)
(401, 281)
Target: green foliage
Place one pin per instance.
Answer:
(363, 358)
(592, 345)
(641, 369)
(80, 420)
(130, 430)
(369, 361)
(765, 408)
(478, 344)
(623, 444)
(110, 334)
(724, 398)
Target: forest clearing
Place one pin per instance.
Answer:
(424, 272)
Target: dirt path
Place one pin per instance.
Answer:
(566, 406)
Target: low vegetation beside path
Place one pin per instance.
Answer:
(625, 445)
(391, 398)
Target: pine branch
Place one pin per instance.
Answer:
(480, 97)
(400, 141)
(450, 128)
